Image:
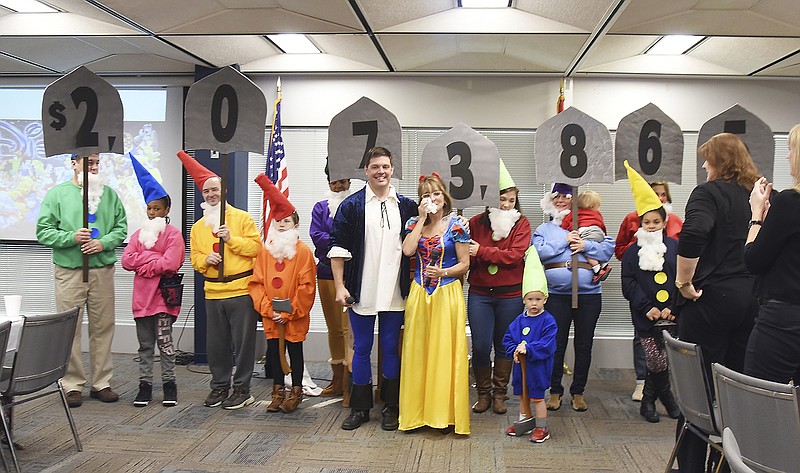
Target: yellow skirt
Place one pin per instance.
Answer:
(434, 372)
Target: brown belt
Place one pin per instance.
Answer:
(234, 277)
(568, 265)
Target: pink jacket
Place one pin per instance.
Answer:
(165, 256)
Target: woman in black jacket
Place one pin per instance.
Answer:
(773, 253)
(711, 275)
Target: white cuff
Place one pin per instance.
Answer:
(339, 252)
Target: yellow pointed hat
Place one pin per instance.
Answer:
(533, 278)
(644, 196)
(505, 177)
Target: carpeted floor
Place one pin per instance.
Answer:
(191, 438)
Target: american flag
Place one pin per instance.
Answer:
(276, 169)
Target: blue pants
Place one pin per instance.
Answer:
(489, 318)
(363, 327)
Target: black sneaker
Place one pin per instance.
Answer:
(238, 399)
(216, 397)
(145, 394)
(170, 394)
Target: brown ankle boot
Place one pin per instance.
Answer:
(347, 384)
(291, 402)
(500, 377)
(278, 395)
(335, 388)
(483, 384)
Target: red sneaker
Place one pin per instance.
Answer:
(512, 431)
(540, 434)
(602, 275)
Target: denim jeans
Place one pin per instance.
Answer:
(585, 320)
(489, 318)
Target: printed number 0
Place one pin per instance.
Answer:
(461, 169)
(85, 136)
(649, 142)
(571, 149)
(223, 134)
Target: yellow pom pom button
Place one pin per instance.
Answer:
(526, 331)
(493, 269)
(660, 277)
(662, 296)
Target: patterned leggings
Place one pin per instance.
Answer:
(655, 353)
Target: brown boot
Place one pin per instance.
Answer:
(278, 395)
(335, 388)
(291, 402)
(500, 377)
(483, 384)
(347, 384)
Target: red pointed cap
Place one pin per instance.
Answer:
(200, 174)
(279, 205)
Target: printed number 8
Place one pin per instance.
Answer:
(571, 149)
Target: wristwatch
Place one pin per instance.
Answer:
(682, 284)
(753, 222)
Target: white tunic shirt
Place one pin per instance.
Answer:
(383, 249)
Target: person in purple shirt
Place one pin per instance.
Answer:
(335, 318)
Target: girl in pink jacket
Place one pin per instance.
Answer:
(156, 250)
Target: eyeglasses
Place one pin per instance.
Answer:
(385, 215)
(433, 194)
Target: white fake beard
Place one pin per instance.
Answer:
(502, 221)
(549, 209)
(211, 214)
(667, 207)
(429, 206)
(334, 199)
(651, 249)
(151, 229)
(96, 184)
(282, 245)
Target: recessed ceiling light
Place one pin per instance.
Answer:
(484, 3)
(27, 6)
(294, 43)
(674, 44)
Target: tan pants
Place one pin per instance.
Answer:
(98, 297)
(340, 337)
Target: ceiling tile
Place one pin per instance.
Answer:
(660, 65)
(355, 47)
(58, 24)
(616, 47)
(12, 66)
(744, 55)
(380, 17)
(224, 50)
(474, 20)
(61, 54)
(139, 64)
(578, 13)
(308, 63)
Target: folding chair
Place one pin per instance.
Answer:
(692, 392)
(765, 417)
(5, 334)
(40, 363)
(732, 453)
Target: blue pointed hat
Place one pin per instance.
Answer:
(151, 189)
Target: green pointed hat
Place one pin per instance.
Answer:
(533, 277)
(505, 177)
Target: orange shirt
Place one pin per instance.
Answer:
(293, 279)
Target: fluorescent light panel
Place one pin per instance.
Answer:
(483, 3)
(294, 43)
(674, 44)
(27, 6)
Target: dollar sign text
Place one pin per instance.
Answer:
(56, 112)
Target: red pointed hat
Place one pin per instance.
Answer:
(200, 174)
(279, 205)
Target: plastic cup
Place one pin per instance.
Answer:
(13, 304)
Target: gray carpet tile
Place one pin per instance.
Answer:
(190, 438)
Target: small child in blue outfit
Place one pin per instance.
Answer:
(531, 338)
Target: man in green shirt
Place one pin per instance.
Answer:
(60, 227)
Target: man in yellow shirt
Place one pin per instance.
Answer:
(230, 316)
